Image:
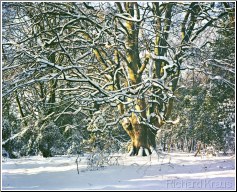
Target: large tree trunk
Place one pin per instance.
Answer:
(142, 137)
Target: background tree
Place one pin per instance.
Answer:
(207, 103)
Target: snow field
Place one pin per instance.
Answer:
(174, 171)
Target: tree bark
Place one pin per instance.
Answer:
(143, 137)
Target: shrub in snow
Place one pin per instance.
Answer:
(5, 153)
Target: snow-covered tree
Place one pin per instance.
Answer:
(125, 57)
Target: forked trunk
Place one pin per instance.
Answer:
(143, 137)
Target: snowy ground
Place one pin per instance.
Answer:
(174, 171)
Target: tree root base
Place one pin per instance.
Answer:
(142, 151)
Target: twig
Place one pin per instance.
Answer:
(77, 163)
